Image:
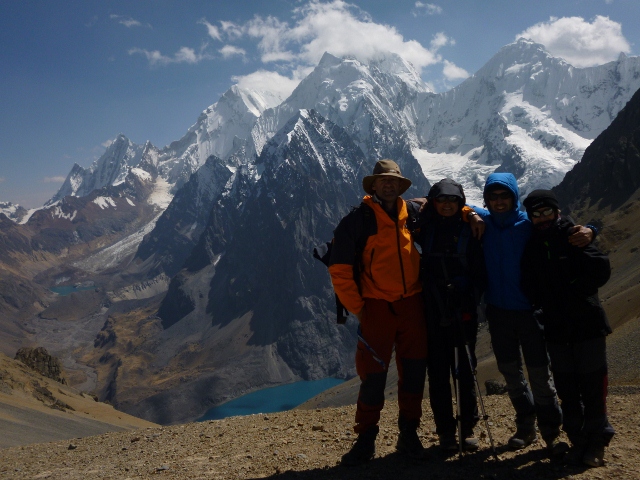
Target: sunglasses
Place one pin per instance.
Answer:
(502, 196)
(447, 198)
(547, 212)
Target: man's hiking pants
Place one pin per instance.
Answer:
(512, 331)
(580, 373)
(383, 326)
(441, 368)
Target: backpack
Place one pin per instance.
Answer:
(364, 222)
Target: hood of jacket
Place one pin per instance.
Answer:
(446, 186)
(506, 181)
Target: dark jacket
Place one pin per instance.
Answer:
(562, 283)
(452, 266)
(504, 240)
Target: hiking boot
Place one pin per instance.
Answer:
(594, 455)
(556, 447)
(362, 450)
(575, 454)
(470, 443)
(448, 442)
(409, 444)
(522, 438)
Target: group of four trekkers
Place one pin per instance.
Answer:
(416, 283)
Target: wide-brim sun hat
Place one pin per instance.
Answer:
(385, 168)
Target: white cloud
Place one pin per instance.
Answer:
(212, 30)
(579, 42)
(426, 9)
(57, 179)
(127, 21)
(229, 51)
(273, 36)
(184, 55)
(335, 27)
(452, 72)
(441, 40)
(297, 45)
(264, 80)
(231, 29)
(2, 179)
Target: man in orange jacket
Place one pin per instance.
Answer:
(384, 292)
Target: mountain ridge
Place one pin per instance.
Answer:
(205, 284)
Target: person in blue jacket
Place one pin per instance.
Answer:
(512, 325)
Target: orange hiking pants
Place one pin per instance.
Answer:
(383, 326)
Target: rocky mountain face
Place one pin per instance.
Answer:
(65, 243)
(39, 360)
(604, 190)
(609, 173)
(12, 211)
(202, 249)
(178, 229)
(253, 271)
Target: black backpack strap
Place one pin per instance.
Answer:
(363, 222)
(323, 253)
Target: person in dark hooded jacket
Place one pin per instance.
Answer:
(453, 279)
(562, 284)
(514, 331)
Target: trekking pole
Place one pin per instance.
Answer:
(474, 373)
(485, 417)
(458, 398)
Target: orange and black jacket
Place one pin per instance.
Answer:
(389, 267)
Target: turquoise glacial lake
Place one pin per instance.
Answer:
(270, 400)
(69, 289)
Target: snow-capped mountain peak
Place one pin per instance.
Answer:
(110, 169)
(353, 95)
(525, 112)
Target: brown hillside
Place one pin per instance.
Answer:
(35, 409)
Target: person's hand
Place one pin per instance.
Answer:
(477, 225)
(580, 236)
(422, 201)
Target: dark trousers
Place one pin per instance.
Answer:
(580, 373)
(383, 326)
(442, 341)
(513, 331)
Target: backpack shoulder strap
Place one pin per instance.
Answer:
(366, 225)
(362, 221)
(463, 244)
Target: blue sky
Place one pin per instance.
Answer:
(75, 73)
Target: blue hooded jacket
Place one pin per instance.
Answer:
(504, 240)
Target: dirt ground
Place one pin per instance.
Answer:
(308, 444)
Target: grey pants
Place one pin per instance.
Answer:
(515, 334)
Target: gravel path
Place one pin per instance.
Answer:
(307, 444)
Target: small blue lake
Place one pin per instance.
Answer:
(270, 400)
(69, 289)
